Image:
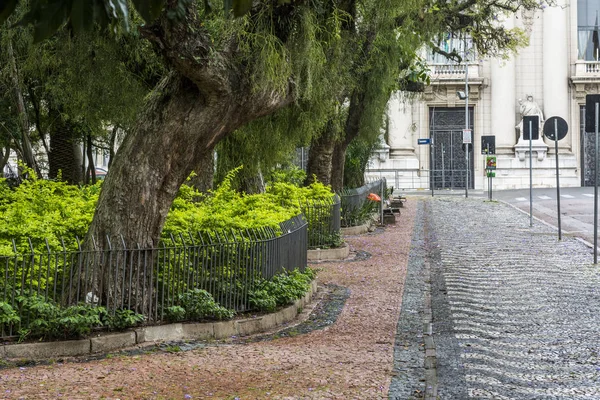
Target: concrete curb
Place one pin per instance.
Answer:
(158, 333)
(340, 253)
(355, 230)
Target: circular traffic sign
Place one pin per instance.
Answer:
(555, 125)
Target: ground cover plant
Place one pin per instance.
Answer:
(44, 217)
(53, 211)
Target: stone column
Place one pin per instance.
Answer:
(503, 100)
(556, 67)
(401, 127)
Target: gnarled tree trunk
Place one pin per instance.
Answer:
(320, 156)
(65, 157)
(191, 110)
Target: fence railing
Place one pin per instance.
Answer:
(355, 204)
(148, 281)
(323, 222)
(424, 179)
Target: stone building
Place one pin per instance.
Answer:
(554, 72)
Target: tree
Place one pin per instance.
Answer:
(386, 59)
(73, 88)
(47, 16)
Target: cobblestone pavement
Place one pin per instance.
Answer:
(516, 313)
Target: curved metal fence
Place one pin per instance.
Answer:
(149, 280)
(355, 206)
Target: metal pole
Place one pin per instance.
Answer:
(443, 169)
(557, 178)
(530, 176)
(467, 118)
(382, 200)
(596, 187)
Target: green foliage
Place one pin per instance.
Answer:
(175, 314)
(122, 319)
(198, 305)
(45, 319)
(289, 174)
(281, 290)
(356, 216)
(262, 300)
(357, 158)
(39, 209)
(227, 208)
(8, 315)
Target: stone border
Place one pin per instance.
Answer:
(339, 253)
(144, 335)
(355, 230)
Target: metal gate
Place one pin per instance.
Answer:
(447, 150)
(588, 165)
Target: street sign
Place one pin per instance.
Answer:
(467, 136)
(561, 126)
(424, 141)
(488, 144)
(590, 117)
(490, 162)
(532, 133)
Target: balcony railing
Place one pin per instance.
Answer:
(453, 71)
(587, 68)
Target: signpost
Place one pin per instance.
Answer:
(592, 102)
(424, 141)
(531, 131)
(556, 128)
(467, 140)
(488, 147)
(490, 166)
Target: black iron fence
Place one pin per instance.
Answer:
(356, 208)
(323, 222)
(148, 281)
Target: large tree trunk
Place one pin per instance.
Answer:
(320, 156)
(4, 154)
(175, 135)
(338, 163)
(25, 146)
(203, 180)
(65, 157)
(351, 131)
(205, 97)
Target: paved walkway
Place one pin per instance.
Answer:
(516, 313)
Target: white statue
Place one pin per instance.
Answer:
(527, 108)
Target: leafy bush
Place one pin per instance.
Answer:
(45, 319)
(122, 319)
(262, 300)
(199, 304)
(8, 315)
(355, 216)
(175, 314)
(281, 290)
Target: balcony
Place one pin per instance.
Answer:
(587, 68)
(453, 71)
(585, 78)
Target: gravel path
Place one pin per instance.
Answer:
(350, 359)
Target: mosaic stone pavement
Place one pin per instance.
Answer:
(516, 313)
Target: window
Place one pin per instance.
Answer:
(450, 42)
(588, 45)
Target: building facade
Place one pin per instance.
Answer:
(554, 73)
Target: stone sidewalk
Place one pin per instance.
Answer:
(515, 311)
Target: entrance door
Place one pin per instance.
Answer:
(588, 149)
(447, 151)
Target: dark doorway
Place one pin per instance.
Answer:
(447, 150)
